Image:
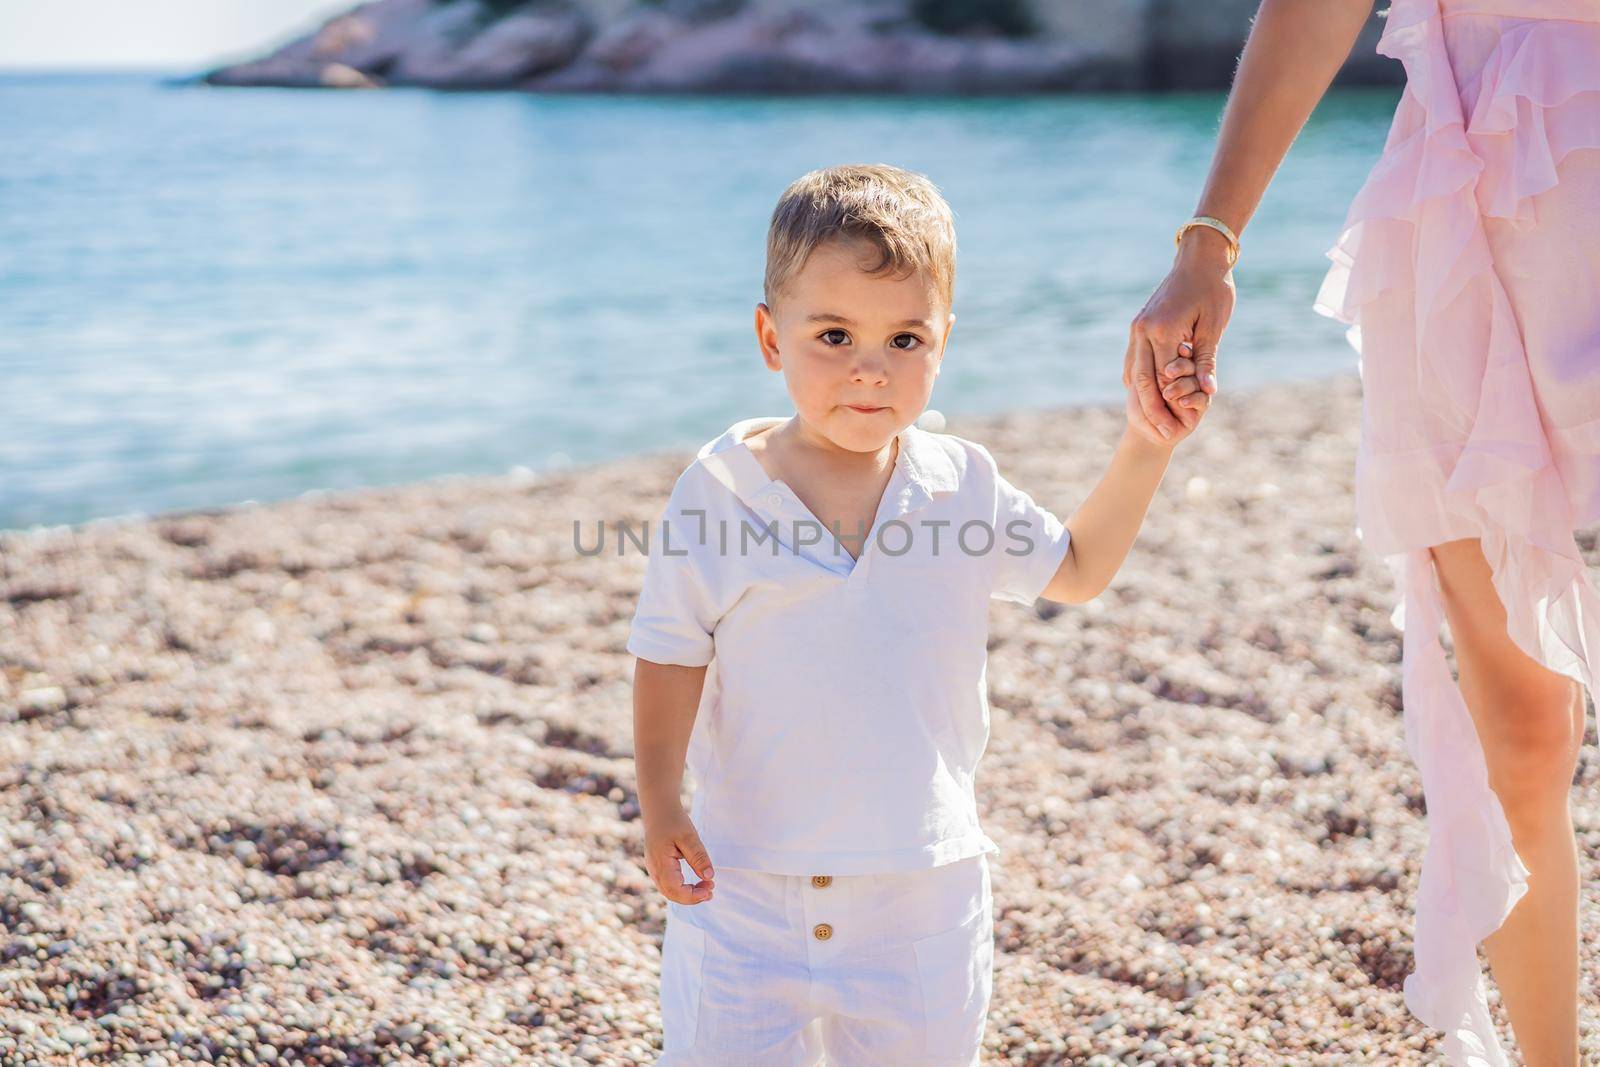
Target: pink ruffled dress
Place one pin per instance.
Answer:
(1469, 270)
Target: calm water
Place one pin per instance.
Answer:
(209, 296)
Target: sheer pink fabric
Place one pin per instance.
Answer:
(1469, 270)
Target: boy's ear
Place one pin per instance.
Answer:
(767, 336)
(951, 325)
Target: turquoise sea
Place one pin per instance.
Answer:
(216, 295)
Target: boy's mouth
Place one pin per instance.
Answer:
(864, 410)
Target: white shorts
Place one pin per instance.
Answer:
(855, 970)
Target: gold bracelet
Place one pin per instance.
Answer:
(1216, 224)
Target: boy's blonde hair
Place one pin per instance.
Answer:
(898, 211)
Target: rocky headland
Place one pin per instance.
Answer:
(779, 47)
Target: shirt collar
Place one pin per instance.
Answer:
(924, 466)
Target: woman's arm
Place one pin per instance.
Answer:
(1294, 50)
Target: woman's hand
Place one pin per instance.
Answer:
(1170, 369)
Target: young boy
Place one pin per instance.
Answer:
(812, 637)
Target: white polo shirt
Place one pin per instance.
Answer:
(845, 705)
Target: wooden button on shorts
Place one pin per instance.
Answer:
(849, 970)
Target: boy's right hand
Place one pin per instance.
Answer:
(669, 837)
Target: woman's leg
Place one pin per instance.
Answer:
(1530, 721)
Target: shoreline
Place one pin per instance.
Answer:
(517, 477)
(350, 774)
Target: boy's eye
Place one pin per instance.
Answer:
(911, 339)
(834, 337)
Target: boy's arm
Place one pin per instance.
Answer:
(1106, 523)
(666, 697)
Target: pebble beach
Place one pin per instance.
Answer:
(347, 779)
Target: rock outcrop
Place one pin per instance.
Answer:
(779, 46)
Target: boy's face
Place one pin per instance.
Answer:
(843, 337)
